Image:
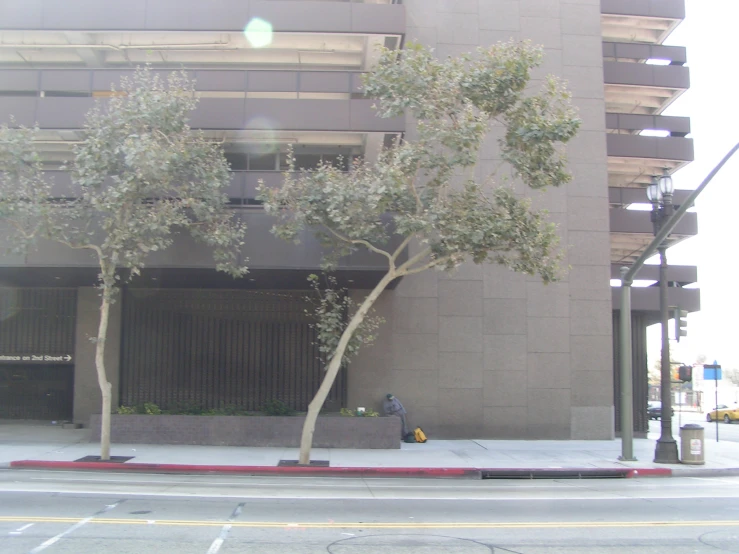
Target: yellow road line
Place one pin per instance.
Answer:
(376, 525)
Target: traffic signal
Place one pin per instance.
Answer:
(685, 373)
(681, 323)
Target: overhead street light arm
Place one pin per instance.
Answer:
(627, 279)
(670, 224)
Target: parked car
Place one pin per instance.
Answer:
(723, 412)
(654, 410)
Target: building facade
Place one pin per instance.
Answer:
(481, 352)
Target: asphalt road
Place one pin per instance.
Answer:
(58, 512)
(726, 432)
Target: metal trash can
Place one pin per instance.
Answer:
(692, 444)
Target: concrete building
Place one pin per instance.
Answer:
(482, 352)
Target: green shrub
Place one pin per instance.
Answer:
(189, 408)
(368, 412)
(277, 407)
(152, 409)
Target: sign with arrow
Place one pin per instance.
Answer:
(35, 359)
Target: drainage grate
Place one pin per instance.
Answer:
(554, 473)
(294, 463)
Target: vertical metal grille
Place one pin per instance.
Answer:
(639, 370)
(37, 321)
(212, 349)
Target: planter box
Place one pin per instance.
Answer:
(277, 431)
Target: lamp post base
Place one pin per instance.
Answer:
(666, 452)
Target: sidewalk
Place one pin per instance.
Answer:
(44, 446)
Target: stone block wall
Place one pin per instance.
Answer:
(484, 352)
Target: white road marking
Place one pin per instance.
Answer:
(46, 544)
(216, 546)
(20, 529)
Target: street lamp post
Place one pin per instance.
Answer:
(659, 194)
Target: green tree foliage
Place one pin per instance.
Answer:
(142, 175)
(414, 190)
(331, 304)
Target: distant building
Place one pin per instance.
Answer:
(715, 392)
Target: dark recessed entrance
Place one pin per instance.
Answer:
(36, 392)
(37, 334)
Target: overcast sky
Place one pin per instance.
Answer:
(711, 36)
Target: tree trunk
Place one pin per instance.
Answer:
(105, 386)
(309, 426)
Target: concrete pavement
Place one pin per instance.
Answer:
(41, 445)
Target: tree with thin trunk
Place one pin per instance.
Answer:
(422, 195)
(141, 176)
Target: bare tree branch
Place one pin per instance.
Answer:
(419, 256)
(406, 241)
(429, 265)
(368, 245)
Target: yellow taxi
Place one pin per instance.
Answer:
(723, 412)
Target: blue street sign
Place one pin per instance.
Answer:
(711, 374)
(712, 371)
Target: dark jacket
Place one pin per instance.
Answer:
(393, 407)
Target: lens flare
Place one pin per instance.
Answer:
(258, 32)
(263, 134)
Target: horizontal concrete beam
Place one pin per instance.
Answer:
(634, 51)
(667, 9)
(225, 80)
(243, 184)
(640, 74)
(677, 126)
(624, 196)
(662, 148)
(261, 247)
(354, 115)
(195, 15)
(684, 274)
(646, 299)
(637, 222)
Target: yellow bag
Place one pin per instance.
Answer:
(420, 435)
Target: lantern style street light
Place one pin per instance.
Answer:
(659, 194)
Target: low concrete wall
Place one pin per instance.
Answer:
(331, 431)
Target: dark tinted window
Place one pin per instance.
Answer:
(307, 161)
(236, 161)
(262, 162)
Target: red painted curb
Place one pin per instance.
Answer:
(251, 470)
(650, 472)
(333, 471)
